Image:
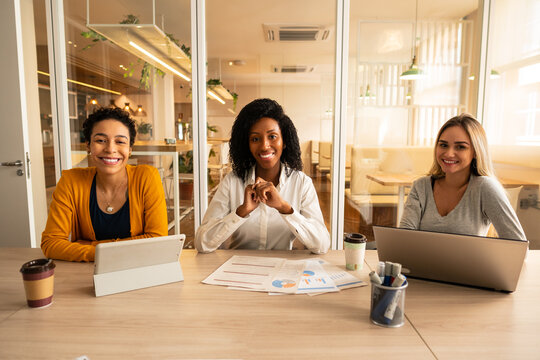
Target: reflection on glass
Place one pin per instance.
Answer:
(394, 121)
(512, 104)
(135, 56)
(265, 51)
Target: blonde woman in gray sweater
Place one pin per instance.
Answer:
(461, 194)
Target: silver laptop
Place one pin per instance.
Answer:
(135, 264)
(462, 259)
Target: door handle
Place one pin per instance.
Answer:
(12, 163)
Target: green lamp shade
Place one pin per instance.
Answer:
(494, 74)
(413, 73)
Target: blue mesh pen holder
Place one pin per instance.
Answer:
(387, 305)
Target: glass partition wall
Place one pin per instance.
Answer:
(287, 51)
(412, 67)
(512, 105)
(281, 50)
(136, 56)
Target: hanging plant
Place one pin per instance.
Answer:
(145, 75)
(235, 99)
(170, 38)
(130, 19)
(91, 34)
(187, 50)
(144, 81)
(213, 82)
(217, 82)
(129, 70)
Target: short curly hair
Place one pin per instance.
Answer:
(109, 114)
(239, 154)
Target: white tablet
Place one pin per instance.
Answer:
(135, 264)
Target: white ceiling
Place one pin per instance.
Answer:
(234, 31)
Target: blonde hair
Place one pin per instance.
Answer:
(481, 164)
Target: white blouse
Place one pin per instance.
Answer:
(264, 228)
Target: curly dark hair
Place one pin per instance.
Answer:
(109, 114)
(239, 154)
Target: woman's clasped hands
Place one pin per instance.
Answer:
(265, 192)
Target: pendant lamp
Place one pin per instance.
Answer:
(494, 74)
(414, 72)
(112, 104)
(92, 105)
(128, 109)
(140, 111)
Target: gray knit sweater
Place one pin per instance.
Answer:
(484, 202)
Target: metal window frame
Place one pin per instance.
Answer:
(59, 88)
(485, 8)
(199, 119)
(339, 140)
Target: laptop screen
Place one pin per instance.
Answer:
(463, 259)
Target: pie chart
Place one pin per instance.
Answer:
(284, 283)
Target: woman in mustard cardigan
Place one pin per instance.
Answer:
(109, 202)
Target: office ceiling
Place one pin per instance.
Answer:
(234, 31)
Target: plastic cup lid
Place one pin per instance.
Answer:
(355, 238)
(37, 266)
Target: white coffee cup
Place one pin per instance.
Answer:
(355, 250)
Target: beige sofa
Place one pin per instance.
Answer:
(322, 152)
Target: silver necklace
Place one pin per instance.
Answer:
(110, 208)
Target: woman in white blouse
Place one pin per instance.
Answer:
(266, 202)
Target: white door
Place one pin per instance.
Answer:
(16, 214)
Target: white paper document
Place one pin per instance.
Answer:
(287, 279)
(251, 272)
(343, 279)
(315, 279)
(281, 276)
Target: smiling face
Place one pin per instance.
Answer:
(109, 146)
(266, 143)
(454, 151)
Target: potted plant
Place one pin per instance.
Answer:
(144, 131)
(211, 130)
(185, 166)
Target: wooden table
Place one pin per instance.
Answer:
(399, 180)
(406, 180)
(191, 320)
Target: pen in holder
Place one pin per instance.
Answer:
(387, 305)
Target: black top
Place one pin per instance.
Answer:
(109, 226)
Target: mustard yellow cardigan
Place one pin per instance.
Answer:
(69, 214)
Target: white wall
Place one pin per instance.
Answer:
(302, 103)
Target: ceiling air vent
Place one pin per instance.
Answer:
(273, 32)
(292, 69)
